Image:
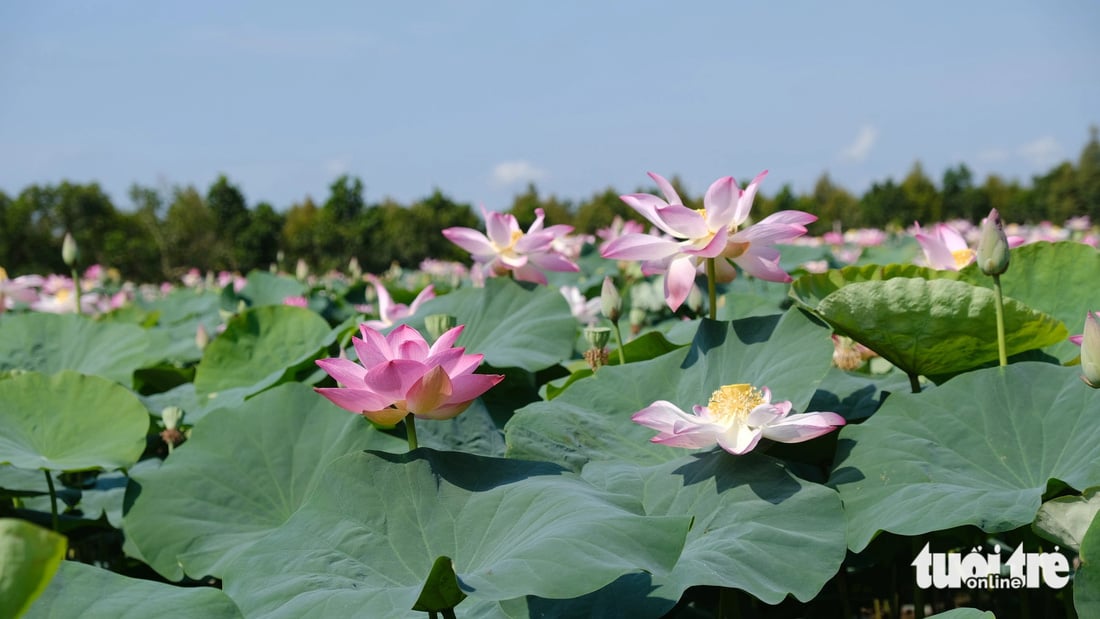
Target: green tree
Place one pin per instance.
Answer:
(884, 204)
(300, 240)
(231, 217)
(600, 210)
(833, 205)
(923, 201)
(1088, 176)
(257, 245)
(524, 205)
(191, 233)
(961, 199)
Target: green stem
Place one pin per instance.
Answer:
(449, 613)
(619, 342)
(712, 292)
(999, 304)
(76, 289)
(410, 431)
(914, 383)
(53, 500)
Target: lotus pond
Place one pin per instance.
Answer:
(559, 470)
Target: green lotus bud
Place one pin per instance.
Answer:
(70, 253)
(172, 416)
(1090, 350)
(438, 324)
(301, 270)
(597, 337)
(992, 255)
(611, 304)
(637, 316)
(354, 269)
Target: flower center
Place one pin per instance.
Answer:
(733, 403)
(963, 257)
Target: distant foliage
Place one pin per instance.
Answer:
(165, 232)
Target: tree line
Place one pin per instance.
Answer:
(165, 233)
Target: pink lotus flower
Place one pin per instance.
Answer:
(711, 232)
(507, 248)
(296, 301)
(390, 312)
(944, 247)
(22, 289)
(736, 418)
(399, 374)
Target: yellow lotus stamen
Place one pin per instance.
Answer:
(963, 257)
(734, 402)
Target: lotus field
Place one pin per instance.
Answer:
(703, 416)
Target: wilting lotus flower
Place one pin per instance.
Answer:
(507, 248)
(736, 418)
(390, 312)
(710, 232)
(399, 374)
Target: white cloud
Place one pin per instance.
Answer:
(993, 155)
(1042, 152)
(865, 140)
(511, 172)
(336, 167)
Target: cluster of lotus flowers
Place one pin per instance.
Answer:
(400, 376)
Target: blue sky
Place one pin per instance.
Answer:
(477, 98)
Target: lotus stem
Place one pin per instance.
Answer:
(998, 300)
(712, 293)
(619, 342)
(410, 431)
(914, 382)
(53, 501)
(76, 290)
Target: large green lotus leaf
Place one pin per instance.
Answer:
(747, 297)
(1056, 278)
(243, 472)
(178, 316)
(756, 526)
(265, 288)
(934, 328)
(1086, 581)
(854, 395)
(810, 290)
(257, 348)
(50, 343)
(511, 325)
(69, 422)
(29, 556)
(1066, 519)
(787, 353)
(80, 590)
(368, 536)
(978, 450)
(642, 348)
